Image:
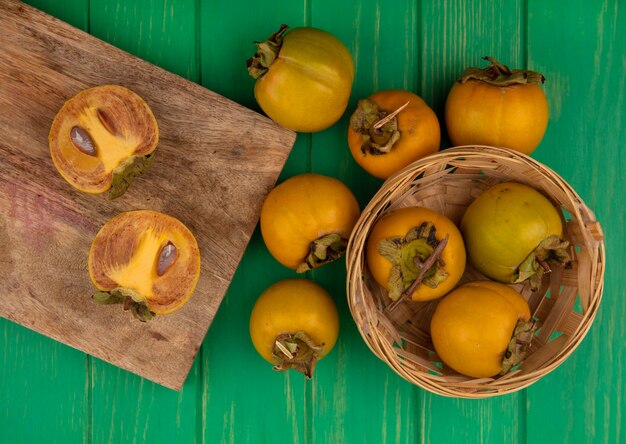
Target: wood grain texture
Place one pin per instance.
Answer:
(44, 384)
(209, 148)
(127, 408)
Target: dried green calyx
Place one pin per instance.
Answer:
(323, 250)
(378, 128)
(551, 250)
(518, 346)
(297, 351)
(416, 260)
(266, 53)
(129, 298)
(500, 75)
(126, 172)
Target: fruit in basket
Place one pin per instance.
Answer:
(390, 129)
(306, 221)
(147, 261)
(102, 138)
(415, 252)
(497, 106)
(513, 233)
(303, 78)
(482, 329)
(294, 324)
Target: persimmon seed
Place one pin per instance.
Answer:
(82, 141)
(167, 257)
(106, 121)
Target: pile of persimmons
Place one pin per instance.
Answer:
(303, 82)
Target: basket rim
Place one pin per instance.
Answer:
(375, 208)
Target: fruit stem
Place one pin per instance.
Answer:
(497, 67)
(266, 53)
(379, 130)
(499, 74)
(551, 250)
(388, 117)
(284, 350)
(297, 351)
(416, 260)
(518, 346)
(544, 265)
(323, 250)
(425, 266)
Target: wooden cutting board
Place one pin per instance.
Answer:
(215, 163)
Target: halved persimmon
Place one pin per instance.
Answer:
(102, 138)
(146, 260)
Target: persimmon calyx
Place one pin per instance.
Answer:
(130, 299)
(499, 74)
(296, 351)
(377, 139)
(266, 53)
(518, 346)
(126, 172)
(416, 260)
(323, 250)
(551, 251)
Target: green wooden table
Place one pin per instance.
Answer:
(52, 393)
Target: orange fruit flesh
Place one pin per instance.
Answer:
(126, 251)
(118, 122)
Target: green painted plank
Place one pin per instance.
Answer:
(584, 66)
(127, 408)
(355, 396)
(456, 35)
(43, 383)
(243, 399)
(43, 388)
(76, 13)
(494, 420)
(130, 409)
(235, 396)
(385, 57)
(162, 32)
(223, 64)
